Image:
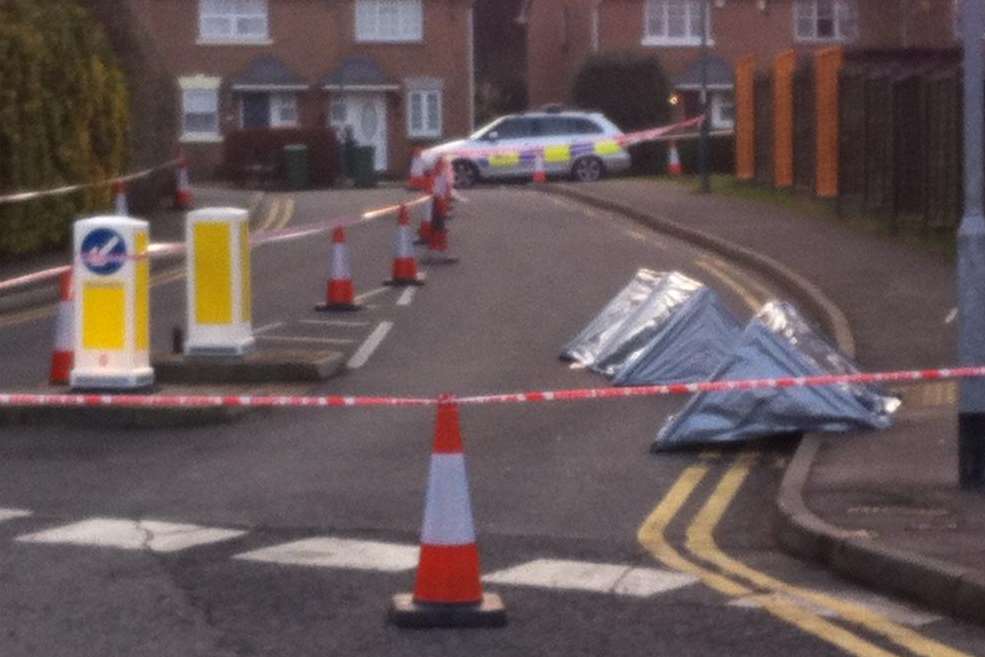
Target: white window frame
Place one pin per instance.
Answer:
(279, 102)
(845, 13)
(233, 13)
(432, 114)
(205, 88)
(692, 11)
(389, 21)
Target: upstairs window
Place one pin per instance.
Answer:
(825, 20)
(233, 20)
(674, 22)
(389, 20)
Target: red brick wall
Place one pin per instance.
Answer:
(312, 37)
(738, 28)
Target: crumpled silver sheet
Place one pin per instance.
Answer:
(635, 332)
(687, 347)
(778, 343)
(584, 347)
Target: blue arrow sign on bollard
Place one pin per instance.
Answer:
(104, 251)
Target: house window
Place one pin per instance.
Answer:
(424, 113)
(199, 109)
(233, 20)
(389, 20)
(268, 110)
(673, 23)
(825, 20)
(722, 110)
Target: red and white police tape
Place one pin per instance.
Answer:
(20, 197)
(160, 249)
(343, 401)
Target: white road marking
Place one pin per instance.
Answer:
(339, 553)
(371, 294)
(268, 327)
(12, 514)
(292, 338)
(593, 577)
(894, 611)
(333, 322)
(132, 535)
(407, 296)
(363, 354)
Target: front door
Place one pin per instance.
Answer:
(365, 115)
(256, 110)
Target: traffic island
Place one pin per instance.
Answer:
(284, 367)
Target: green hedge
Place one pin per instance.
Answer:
(64, 118)
(632, 90)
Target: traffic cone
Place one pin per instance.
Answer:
(447, 590)
(183, 191)
(540, 174)
(674, 167)
(120, 205)
(339, 289)
(438, 244)
(63, 352)
(419, 179)
(424, 230)
(404, 261)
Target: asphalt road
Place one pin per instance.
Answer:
(597, 546)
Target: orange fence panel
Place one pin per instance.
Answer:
(827, 68)
(745, 118)
(783, 69)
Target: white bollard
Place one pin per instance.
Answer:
(112, 309)
(218, 285)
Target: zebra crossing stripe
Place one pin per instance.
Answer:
(148, 535)
(592, 577)
(339, 553)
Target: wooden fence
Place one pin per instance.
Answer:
(874, 131)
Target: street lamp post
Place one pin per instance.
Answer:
(971, 256)
(703, 138)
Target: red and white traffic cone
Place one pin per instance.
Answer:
(674, 167)
(339, 291)
(448, 188)
(183, 191)
(419, 179)
(447, 591)
(63, 352)
(404, 260)
(424, 230)
(120, 206)
(437, 253)
(540, 174)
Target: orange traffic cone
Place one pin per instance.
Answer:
(540, 174)
(674, 167)
(339, 290)
(404, 261)
(419, 179)
(424, 230)
(183, 192)
(438, 244)
(63, 352)
(447, 591)
(120, 205)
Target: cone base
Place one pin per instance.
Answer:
(404, 612)
(439, 258)
(404, 282)
(337, 307)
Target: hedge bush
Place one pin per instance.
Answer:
(64, 118)
(245, 149)
(632, 90)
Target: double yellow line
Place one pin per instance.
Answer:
(787, 602)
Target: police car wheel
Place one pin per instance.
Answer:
(587, 169)
(465, 173)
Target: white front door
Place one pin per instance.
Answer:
(365, 114)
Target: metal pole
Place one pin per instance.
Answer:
(703, 140)
(971, 256)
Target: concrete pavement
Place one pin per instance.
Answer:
(884, 508)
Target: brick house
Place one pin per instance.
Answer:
(398, 72)
(561, 33)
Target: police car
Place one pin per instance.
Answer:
(582, 145)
